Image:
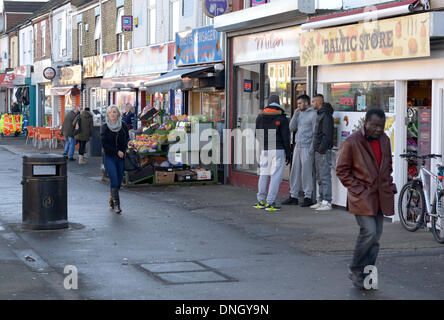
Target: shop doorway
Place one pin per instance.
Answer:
(419, 121)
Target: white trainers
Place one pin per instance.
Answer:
(325, 206)
(316, 205)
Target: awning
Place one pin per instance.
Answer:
(175, 79)
(363, 14)
(126, 82)
(61, 91)
(259, 16)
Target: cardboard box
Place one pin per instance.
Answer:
(186, 175)
(202, 174)
(165, 177)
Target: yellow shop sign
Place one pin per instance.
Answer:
(397, 38)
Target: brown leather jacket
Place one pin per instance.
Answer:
(369, 187)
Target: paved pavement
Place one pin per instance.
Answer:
(196, 242)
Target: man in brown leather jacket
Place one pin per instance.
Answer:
(364, 167)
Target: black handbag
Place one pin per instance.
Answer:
(132, 160)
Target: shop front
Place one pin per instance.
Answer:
(42, 77)
(66, 93)
(24, 93)
(6, 92)
(393, 64)
(196, 87)
(10, 123)
(264, 63)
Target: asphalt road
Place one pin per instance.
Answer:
(194, 243)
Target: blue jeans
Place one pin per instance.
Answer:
(367, 244)
(115, 167)
(70, 146)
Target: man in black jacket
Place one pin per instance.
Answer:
(322, 144)
(272, 128)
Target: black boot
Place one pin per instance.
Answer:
(111, 203)
(116, 200)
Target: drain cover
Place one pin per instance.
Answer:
(184, 272)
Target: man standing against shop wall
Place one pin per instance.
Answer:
(364, 167)
(303, 122)
(322, 144)
(273, 126)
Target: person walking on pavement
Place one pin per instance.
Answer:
(68, 133)
(83, 123)
(303, 122)
(128, 116)
(275, 152)
(364, 167)
(322, 144)
(114, 136)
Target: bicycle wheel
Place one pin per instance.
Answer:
(411, 206)
(438, 222)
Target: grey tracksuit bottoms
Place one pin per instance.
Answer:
(323, 175)
(271, 167)
(301, 172)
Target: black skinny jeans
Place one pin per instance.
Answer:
(82, 147)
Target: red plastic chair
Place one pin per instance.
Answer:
(30, 130)
(44, 135)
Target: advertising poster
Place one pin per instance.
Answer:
(201, 45)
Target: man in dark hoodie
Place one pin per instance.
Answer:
(272, 128)
(322, 144)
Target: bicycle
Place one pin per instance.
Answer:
(419, 209)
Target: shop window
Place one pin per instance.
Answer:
(119, 32)
(79, 40)
(213, 105)
(151, 21)
(248, 107)
(43, 39)
(361, 96)
(174, 18)
(351, 100)
(98, 35)
(419, 122)
(279, 84)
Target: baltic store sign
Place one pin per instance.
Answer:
(203, 45)
(396, 38)
(265, 46)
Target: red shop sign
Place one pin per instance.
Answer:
(6, 79)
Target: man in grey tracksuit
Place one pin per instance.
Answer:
(303, 122)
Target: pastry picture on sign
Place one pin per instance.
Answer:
(413, 46)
